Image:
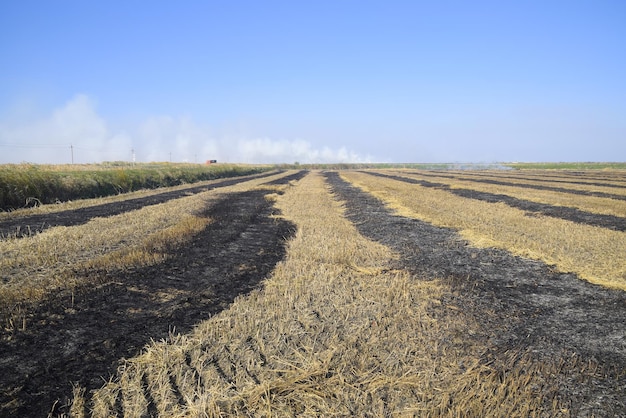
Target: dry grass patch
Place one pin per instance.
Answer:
(514, 177)
(592, 204)
(334, 332)
(64, 257)
(83, 203)
(609, 177)
(595, 254)
(60, 257)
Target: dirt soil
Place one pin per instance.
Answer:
(522, 305)
(84, 339)
(31, 224)
(615, 223)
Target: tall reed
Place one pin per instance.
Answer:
(23, 185)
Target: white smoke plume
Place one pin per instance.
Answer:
(76, 131)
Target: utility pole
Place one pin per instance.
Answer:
(72, 151)
(170, 157)
(132, 151)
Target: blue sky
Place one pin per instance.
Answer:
(313, 81)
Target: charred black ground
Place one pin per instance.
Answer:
(536, 186)
(560, 178)
(83, 340)
(286, 179)
(615, 223)
(28, 225)
(522, 305)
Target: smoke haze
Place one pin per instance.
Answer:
(76, 131)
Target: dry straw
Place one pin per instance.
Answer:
(333, 332)
(566, 182)
(595, 254)
(593, 204)
(606, 176)
(83, 203)
(63, 258)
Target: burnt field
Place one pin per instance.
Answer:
(323, 293)
(522, 305)
(81, 337)
(29, 224)
(568, 213)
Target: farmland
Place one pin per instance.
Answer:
(365, 292)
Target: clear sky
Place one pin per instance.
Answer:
(313, 81)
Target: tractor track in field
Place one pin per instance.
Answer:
(28, 225)
(615, 223)
(522, 305)
(84, 338)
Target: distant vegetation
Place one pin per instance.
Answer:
(417, 166)
(24, 185)
(462, 166)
